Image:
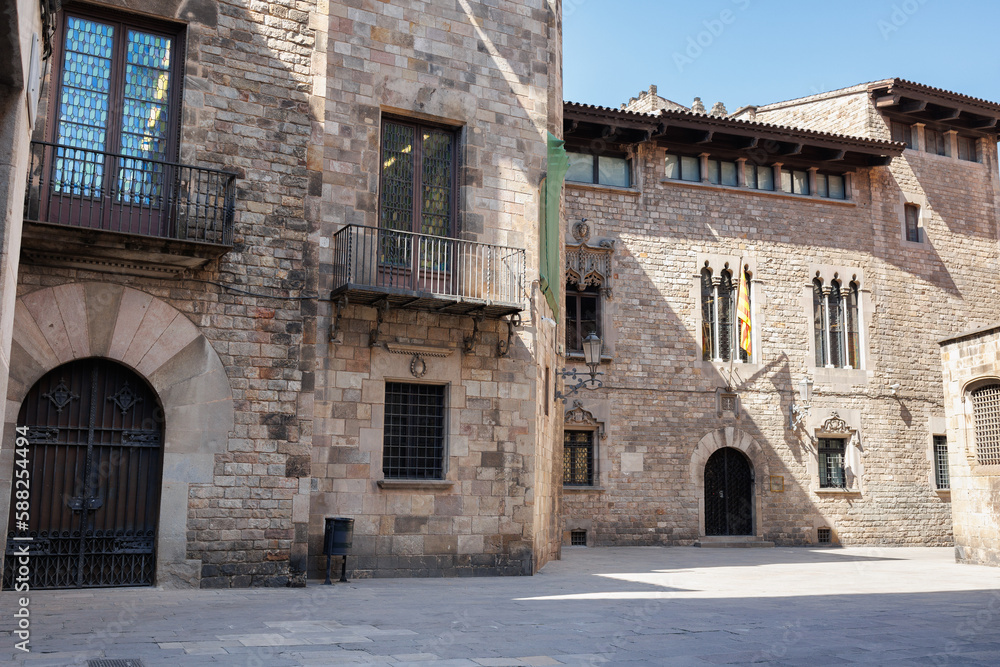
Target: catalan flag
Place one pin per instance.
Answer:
(743, 313)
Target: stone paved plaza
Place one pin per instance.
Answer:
(632, 606)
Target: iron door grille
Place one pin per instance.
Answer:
(578, 458)
(95, 436)
(986, 411)
(728, 493)
(414, 431)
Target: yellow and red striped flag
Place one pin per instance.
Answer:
(743, 313)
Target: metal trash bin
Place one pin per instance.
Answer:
(338, 535)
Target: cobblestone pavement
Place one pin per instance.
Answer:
(615, 606)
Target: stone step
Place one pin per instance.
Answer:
(732, 542)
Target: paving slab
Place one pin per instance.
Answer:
(607, 606)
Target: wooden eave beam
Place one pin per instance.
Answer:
(884, 101)
(946, 113)
(748, 143)
(879, 160)
(791, 149)
(911, 106)
(983, 124)
(833, 155)
(706, 137)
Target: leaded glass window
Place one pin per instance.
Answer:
(986, 414)
(116, 98)
(578, 458)
(418, 192)
(831, 463)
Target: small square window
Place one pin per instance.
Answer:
(967, 148)
(836, 186)
(690, 168)
(800, 182)
(759, 177)
(578, 538)
(581, 167)
(935, 142)
(902, 132)
(824, 535)
(414, 431)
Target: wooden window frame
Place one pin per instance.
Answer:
(821, 450)
(596, 168)
(591, 446)
(416, 223)
(573, 291)
(176, 32)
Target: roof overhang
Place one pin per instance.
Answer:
(725, 137)
(916, 103)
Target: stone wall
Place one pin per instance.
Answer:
(970, 361)
(491, 72)
(660, 398)
(246, 109)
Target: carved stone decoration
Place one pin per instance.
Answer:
(590, 266)
(125, 398)
(418, 367)
(577, 416)
(61, 396)
(581, 231)
(835, 425)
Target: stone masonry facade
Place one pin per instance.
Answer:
(659, 408)
(970, 363)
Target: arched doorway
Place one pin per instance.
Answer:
(728, 493)
(95, 430)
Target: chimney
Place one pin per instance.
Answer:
(719, 109)
(697, 106)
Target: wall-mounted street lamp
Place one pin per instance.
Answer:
(592, 346)
(799, 412)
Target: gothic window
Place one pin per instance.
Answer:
(582, 314)
(721, 331)
(835, 324)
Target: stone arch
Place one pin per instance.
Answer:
(55, 325)
(738, 439)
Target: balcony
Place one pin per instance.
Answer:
(95, 210)
(423, 272)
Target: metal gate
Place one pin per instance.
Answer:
(728, 493)
(95, 432)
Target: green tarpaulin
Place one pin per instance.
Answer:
(548, 270)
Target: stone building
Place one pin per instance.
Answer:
(279, 261)
(972, 391)
(860, 221)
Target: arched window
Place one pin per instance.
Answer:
(986, 415)
(720, 337)
(835, 324)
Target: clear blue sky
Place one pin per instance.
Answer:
(760, 51)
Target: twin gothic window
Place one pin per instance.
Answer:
(723, 336)
(835, 324)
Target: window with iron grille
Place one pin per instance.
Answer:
(414, 431)
(418, 189)
(578, 458)
(824, 535)
(578, 538)
(836, 324)
(941, 462)
(582, 314)
(986, 414)
(831, 463)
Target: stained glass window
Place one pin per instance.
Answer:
(114, 100)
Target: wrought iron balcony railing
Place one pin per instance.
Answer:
(426, 272)
(97, 190)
